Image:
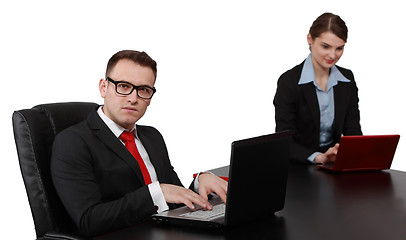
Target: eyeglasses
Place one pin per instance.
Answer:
(126, 88)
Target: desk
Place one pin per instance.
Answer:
(319, 205)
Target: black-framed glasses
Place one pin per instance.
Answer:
(126, 88)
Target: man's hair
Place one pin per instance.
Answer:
(141, 58)
(328, 22)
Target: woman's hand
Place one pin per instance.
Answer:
(327, 157)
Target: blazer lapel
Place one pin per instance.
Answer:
(105, 135)
(310, 97)
(149, 144)
(341, 99)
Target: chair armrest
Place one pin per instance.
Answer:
(63, 236)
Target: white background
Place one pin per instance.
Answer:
(218, 63)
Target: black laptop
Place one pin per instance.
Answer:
(257, 178)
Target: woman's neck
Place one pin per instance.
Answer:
(321, 75)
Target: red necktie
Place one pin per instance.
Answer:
(128, 139)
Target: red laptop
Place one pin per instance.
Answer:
(364, 153)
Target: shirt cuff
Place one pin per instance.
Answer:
(313, 156)
(158, 197)
(196, 182)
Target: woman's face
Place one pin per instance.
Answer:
(326, 50)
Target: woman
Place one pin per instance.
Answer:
(317, 100)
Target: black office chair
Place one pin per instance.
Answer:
(34, 133)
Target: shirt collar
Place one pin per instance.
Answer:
(308, 76)
(114, 127)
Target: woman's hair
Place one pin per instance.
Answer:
(328, 22)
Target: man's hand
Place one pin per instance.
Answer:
(210, 183)
(329, 156)
(177, 194)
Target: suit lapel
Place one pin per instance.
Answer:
(149, 144)
(310, 97)
(105, 135)
(341, 99)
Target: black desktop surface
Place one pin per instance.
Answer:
(318, 205)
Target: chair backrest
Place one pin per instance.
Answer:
(34, 133)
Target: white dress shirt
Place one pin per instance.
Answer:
(154, 188)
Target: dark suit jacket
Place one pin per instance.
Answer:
(297, 109)
(99, 181)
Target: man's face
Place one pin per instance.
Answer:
(126, 110)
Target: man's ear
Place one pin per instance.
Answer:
(102, 87)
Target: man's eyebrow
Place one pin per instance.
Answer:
(143, 85)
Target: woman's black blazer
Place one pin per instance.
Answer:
(297, 109)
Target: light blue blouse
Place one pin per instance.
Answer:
(325, 99)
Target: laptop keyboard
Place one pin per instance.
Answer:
(217, 210)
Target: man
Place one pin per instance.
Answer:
(104, 186)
